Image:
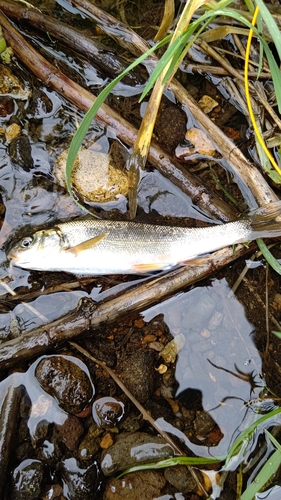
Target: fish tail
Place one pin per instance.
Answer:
(266, 221)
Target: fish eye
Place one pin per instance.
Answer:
(26, 242)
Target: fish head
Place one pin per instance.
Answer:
(36, 251)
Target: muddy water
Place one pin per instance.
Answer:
(195, 361)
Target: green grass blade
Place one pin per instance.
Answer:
(169, 462)
(246, 435)
(264, 475)
(271, 25)
(268, 256)
(91, 113)
(162, 63)
(186, 46)
(273, 440)
(277, 334)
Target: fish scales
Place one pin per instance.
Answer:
(94, 247)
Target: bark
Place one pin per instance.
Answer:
(256, 186)
(191, 185)
(89, 316)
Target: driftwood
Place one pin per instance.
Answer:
(208, 201)
(89, 316)
(258, 188)
(9, 416)
(91, 48)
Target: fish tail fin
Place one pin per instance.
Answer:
(266, 221)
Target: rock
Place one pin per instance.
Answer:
(26, 480)
(107, 441)
(107, 412)
(203, 423)
(180, 477)
(202, 306)
(134, 449)
(20, 152)
(197, 142)
(142, 485)
(90, 444)
(49, 453)
(70, 431)
(171, 350)
(12, 132)
(52, 492)
(11, 86)
(94, 176)
(80, 484)
(137, 373)
(6, 106)
(67, 382)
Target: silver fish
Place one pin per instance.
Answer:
(96, 247)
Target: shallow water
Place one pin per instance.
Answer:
(216, 384)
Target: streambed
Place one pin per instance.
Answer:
(199, 360)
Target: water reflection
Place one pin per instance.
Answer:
(218, 370)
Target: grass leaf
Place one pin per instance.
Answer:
(247, 434)
(169, 462)
(91, 113)
(264, 475)
(268, 256)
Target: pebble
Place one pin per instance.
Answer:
(134, 449)
(202, 306)
(94, 176)
(137, 373)
(171, 350)
(26, 480)
(142, 485)
(80, 484)
(20, 152)
(180, 477)
(70, 431)
(63, 379)
(107, 411)
(89, 446)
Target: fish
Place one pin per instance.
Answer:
(92, 247)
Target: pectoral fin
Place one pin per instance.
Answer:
(86, 245)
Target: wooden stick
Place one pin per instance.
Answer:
(89, 316)
(256, 186)
(208, 201)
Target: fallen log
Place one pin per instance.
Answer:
(90, 316)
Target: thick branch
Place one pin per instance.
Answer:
(91, 316)
(191, 185)
(251, 176)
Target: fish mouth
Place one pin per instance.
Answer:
(12, 256)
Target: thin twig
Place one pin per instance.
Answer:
(143, 411)
(128, 393)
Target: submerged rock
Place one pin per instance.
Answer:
(134, 449)
(20, 152)
(142, 485)
(181, 478)
(107, 411)
(137, 373)
(79, 484)
(70, 431)
(26, 480)
(94, 176)
(89, 446)
(67, 382)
